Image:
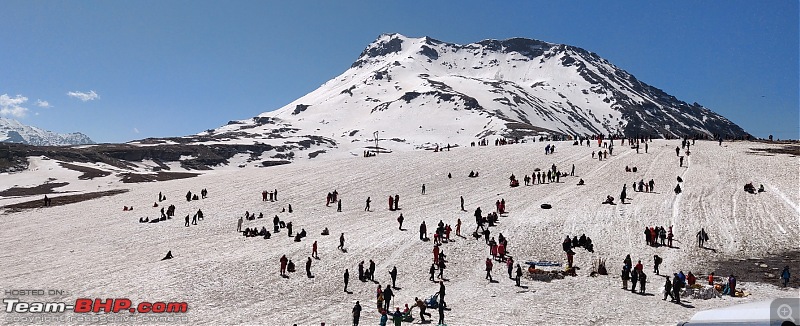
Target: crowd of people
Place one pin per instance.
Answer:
(498, 247)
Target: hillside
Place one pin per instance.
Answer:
(419, 92)
(94, 249)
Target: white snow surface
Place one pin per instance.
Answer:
(460, 93)
(93, 249)
(13, 131)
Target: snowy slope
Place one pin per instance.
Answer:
(419, 91)
(93, 249)
(13, 131)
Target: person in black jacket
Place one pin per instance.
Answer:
(677, 284)
(519, 273)
(356, 313)
(308, 267)
(393, 275)
(668, 290)
(387, 297)
(441, 297)
(346, 279)
(372, 273)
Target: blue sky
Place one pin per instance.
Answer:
(173, 68)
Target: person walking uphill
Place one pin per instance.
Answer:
(366, 208)
(341, 242)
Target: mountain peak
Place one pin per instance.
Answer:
(13, 131)
(422, 91)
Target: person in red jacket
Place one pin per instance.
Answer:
(711, 279)
(489, 269)
(314, 250)
(284, 261)
(691, 279)
(639, 266)
(435, 254)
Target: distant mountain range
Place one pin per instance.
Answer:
(12, 131)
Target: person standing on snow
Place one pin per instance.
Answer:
(387, 296)
(372, 273)
(624, 193)
(626, 275)
(393, 275)
(423, 188)
(785, 275)
(642, 281)
(346, 279)
(656, 261)
(356, 313)
(384, 318)
(488, 269)
(519, 274)
(441, 314)
(283, 261)
(341, 242)
(314, 250)
(442, 303)
(668, 290)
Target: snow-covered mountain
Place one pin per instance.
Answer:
(419, 91)
(12, 131)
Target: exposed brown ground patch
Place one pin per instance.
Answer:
(751, 270)
(61, 200)
(160, 176)
(793, 150)
(46, 188)
(88, 173)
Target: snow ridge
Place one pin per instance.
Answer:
(417, 92)
(12, 131)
